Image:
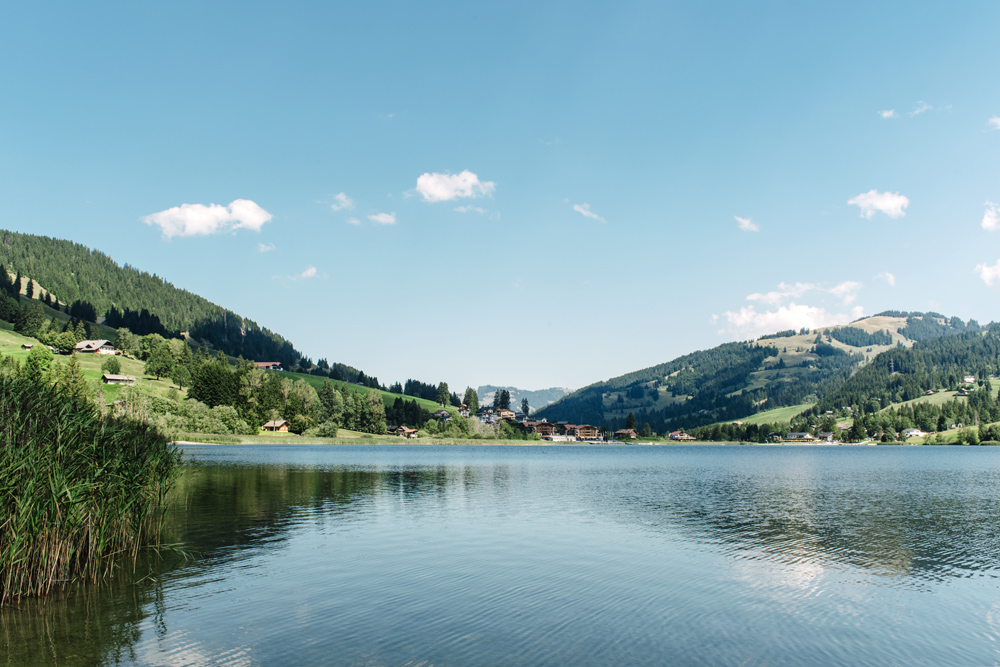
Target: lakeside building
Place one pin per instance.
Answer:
(95, 347)
(113, 378)
(626, 434)
(277, 426)
(268, 365)
(680, 435)
(799, 437)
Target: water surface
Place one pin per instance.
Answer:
(397, 555)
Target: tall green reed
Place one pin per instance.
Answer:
(80, 492)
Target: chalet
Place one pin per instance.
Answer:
(969, 379)
(268, 365)
(680, 435)
(544, 429)
(408, 433)
(442, 416)
(799, 437)
(587, 432)
(825, 436)
(520, 417)
(626, 434)
(112, 378)
(393, 430)
(277, 425)
(913, 433)
(504, 413)
(26, 346)
(95, 347)
(463, 410)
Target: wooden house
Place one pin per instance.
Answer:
(268, 365)
(277, 425)
(95, 347)
(112, 378)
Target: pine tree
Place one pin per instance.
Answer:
(71, 380)
(471, 400)
(630, 422)
(443, 393)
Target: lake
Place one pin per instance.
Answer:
(597, 555)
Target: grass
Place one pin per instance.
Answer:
(78, 491)
(387, 397)
(90, 364)
(938, 398)
(776, 415)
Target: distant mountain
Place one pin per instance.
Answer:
(536, 399)
(736, 380)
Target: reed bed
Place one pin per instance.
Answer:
(80, 493)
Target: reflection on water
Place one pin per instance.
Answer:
(539, 555)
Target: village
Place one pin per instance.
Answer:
(561, 431)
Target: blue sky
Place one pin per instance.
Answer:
(605, 186)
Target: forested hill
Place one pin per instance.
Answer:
(736, 380)
(96, 286)
(900, 375)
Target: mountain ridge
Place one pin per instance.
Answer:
(738, 379)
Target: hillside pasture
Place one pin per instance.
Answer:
(387, 397)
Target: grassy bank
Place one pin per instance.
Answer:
(79, 492)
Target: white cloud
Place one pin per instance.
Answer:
(265, 248)
(341, 201)
(888, 113)
(890, 203)
(748, 323)
(991, 219)
(470, 209)
(199, 220)
(921, 108)
(746, 224)
(994, 122)
(310, 272)
(889, 278)
(383, 218)
(989, 274)
(784, 291)
(846, 291)
(584, 210)
(446, 187)
(353, 221)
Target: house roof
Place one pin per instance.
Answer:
(120, 378)
(91, 344)
(276, 423)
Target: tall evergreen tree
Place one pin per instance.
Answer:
(443, 393)
(525, 406)
(471, 399)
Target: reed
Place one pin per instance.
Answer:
(80, 493)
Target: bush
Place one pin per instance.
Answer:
(327, 429)
(112, 366)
